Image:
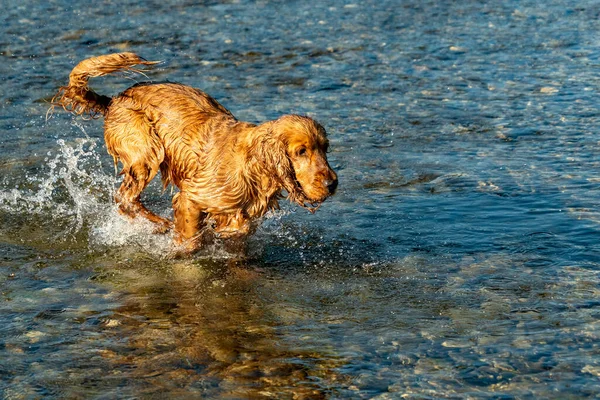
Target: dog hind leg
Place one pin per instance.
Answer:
(135, 180)
(130, 139)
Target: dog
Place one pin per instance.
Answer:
(229, 173)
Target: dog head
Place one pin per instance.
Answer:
(302, 163)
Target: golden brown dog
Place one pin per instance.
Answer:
(229, 172)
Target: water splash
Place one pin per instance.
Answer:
(71, 187)
(74, 193)
(113, 230)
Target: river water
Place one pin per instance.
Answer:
(460, 257)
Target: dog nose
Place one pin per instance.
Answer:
(331, 185)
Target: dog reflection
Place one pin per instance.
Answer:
(210, 325)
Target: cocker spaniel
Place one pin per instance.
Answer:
(229, 173)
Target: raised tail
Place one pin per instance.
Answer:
(78, 98)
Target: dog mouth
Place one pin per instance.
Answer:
(311, 206)
(305, 201)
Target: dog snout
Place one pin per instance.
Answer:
(331, 184)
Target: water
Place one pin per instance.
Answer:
(459, 258)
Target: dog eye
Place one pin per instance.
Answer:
(301, 151)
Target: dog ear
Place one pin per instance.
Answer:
(273, 155)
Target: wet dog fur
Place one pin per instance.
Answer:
(229, 173)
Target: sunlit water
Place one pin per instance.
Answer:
(459, 259)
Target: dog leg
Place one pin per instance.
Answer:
(130, 138)
(233, 230)
(128, 197)
(231, 225)
(189, 220)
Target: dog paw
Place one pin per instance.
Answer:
(162, 227)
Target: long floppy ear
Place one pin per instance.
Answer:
(273, 155)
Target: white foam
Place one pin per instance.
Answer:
(74, 190)
(114, 230)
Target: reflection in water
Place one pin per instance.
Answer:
(458, 259)
(205, 329)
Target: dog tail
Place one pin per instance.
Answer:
(78, 98)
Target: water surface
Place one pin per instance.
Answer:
(459, 258)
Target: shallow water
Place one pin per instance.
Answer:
(459, 258)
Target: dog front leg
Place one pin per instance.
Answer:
(189, 221)
(233, 229)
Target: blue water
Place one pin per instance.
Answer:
(459, 258)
